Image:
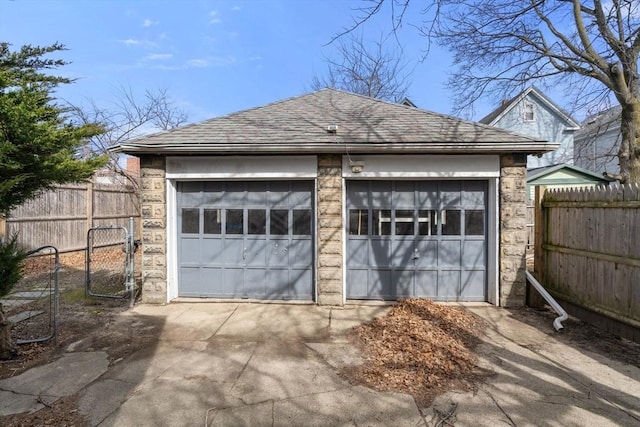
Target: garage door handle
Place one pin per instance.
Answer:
(416, 255)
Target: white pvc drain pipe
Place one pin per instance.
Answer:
(552, 302)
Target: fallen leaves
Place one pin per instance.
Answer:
(420, 348)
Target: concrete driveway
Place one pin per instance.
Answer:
(273, 364)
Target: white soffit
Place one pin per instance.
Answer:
(422, 166)
(241, 167)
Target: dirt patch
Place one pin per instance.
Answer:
(62, 413)
(420, 348)
(582, 335)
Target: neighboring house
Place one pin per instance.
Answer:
(562, 176)
(332, 196)
(533, 114)
(598, 141)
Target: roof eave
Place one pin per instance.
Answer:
(535, 147)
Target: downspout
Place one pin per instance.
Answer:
(552, 302)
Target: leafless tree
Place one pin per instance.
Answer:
(590, 48)
(127, 118)
(372, 70)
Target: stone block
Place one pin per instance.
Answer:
(327, 182)
(330, 299)
(153, 223)
(330, 261)
(330, 223)
(149, 173)
(152, 197)
(329, 274)
(153, 249)
(154, 274)
(332, 286)
(330, 196)
(329, 235)
(329, 209)
(330, 248)
(147, 261)
(160, 261)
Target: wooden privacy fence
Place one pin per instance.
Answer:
(588, 249)
(62, 217)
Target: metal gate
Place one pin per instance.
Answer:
(110, 263)
(32, 306)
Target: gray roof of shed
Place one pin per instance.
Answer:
(364, 125)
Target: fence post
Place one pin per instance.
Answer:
(3, 227)
(89, 206)
(534, 299)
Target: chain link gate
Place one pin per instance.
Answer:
(32, 306)
(110, 262)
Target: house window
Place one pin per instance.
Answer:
(529, 113)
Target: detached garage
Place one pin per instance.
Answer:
(330, 197)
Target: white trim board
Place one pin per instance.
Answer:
(422, 166)
(241, 167)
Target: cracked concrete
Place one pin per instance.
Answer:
(31, 390)
(276, 364)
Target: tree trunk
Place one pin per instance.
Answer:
(7, 346)
(629, 154)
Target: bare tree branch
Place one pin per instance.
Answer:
(129, 117)
(500, 46)
(370, 70)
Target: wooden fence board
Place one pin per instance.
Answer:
(61, 217)
(591, 248)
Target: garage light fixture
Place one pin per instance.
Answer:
(332, 128)
(356, 167)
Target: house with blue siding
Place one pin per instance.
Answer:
(533, 114)
(598, 141)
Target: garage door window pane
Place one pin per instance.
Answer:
(212, 221)
(279, 225)
(190, 221)
(381, 222)
(358, 221)
(257, 221)
(474, 223)
(302, 222)
(427, 225)
(235, 218)
(450, 222)
(404, 222)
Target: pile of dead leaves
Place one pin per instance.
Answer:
(420, 348)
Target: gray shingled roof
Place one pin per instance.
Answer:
(364, 124)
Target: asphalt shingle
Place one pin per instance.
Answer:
(304, 120)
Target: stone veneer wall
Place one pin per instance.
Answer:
(154, 231)
(513, 229)
(330, 231)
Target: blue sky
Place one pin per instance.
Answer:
(212, 57)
